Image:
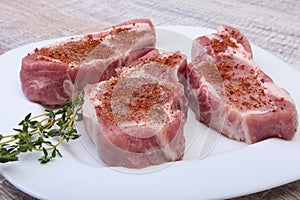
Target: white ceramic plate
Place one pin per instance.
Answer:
(214, 166)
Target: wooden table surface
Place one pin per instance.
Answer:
(272, 25)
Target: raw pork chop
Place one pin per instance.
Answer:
(136, 118)
(233, 95)
(55, 73)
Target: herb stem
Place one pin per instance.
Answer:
(6, 142)
(39, 132)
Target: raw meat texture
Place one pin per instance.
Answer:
(136, 118)
(58, 72)
(231, 94)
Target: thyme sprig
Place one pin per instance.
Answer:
(44, 133)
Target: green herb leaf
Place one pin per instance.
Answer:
(44, 133)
